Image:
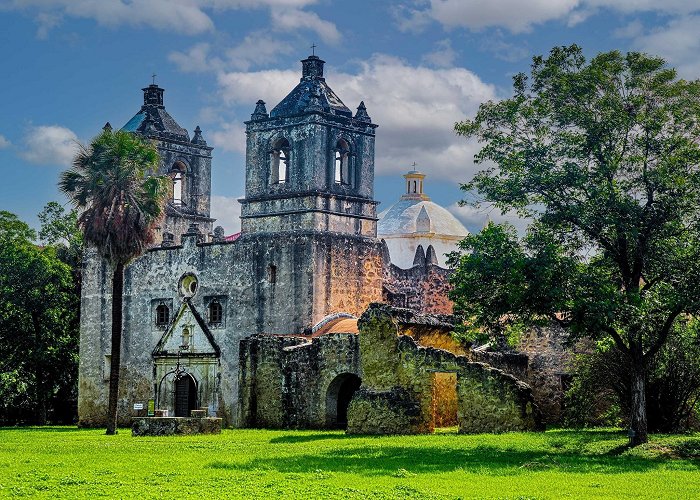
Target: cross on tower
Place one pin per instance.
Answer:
(154, 78)
(313, 49)
(414, 165)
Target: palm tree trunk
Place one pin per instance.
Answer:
(638, 423)
(115, 361)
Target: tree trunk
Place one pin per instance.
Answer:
(115, 361)
(39, 379)
(638, 420)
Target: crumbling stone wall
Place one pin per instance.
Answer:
(285, 381)
(395, 396)
(423, 288)
(549, 366)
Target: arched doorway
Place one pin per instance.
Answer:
(338, 398)
(185, 395)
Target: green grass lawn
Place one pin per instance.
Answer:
(70, 463)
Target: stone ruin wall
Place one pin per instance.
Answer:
(423, 288)
(285, 381)
(398, 375)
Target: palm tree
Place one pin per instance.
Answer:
(120, 204)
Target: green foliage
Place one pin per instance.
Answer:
(112, 183)
(603, 156)
(60, 230)
(600, 390)
(70, 463)
(38, 327)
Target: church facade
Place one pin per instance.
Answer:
(307, 251)
(262, 329)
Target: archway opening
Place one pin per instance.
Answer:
(185, 396)
(340, 393)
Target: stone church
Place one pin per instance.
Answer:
(261, 329)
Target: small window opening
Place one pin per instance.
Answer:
(162, 315)
(216, 312)
(280, 162)
(272, 273)
(415, 186)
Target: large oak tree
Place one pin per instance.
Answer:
(603, 155)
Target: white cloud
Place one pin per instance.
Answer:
(519, 16)
(295, 19)
(230, 137)
(190, 17)
(50, 145)
(196, 59)
(227, 212)
(677, 42)
(630, 30)
(257, 48)
(475, 218)
(238, 87)
(442, 57)
(183, 16)
(47, 21)
(4, 143)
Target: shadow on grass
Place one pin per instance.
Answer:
(46, 428)
(563, 451)
(306, 438)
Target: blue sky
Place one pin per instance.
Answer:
(69, 66)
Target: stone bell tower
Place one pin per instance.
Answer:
(310, 162)
(186, 161)
(309, 209)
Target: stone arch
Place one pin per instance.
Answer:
(338, 397)
(344, 170)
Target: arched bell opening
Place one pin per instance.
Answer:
(338, 397)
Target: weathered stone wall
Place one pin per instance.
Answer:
(287, 382)
(423, 288)
(549, 365)
(396, 392)
(291, 300)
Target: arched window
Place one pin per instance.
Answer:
(177, 172)
(342, 171)
(216, 312)
(162, 315)
(279, 162)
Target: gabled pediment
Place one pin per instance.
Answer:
(188, 334)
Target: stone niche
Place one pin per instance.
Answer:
(398, 375)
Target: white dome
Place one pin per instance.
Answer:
(415, 220)
(402, 218)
